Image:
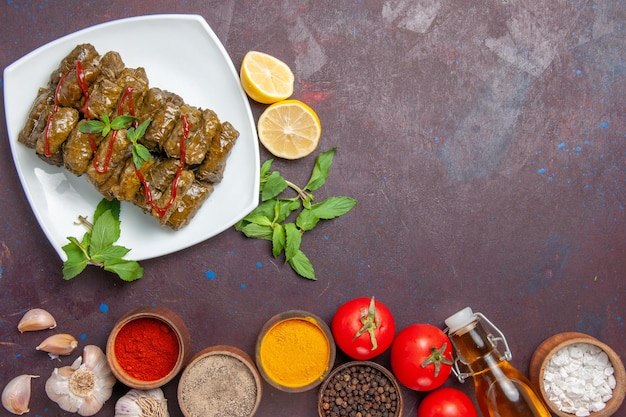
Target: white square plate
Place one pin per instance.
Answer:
(181, 54)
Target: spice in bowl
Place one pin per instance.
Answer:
(295, 351)
(579, 379)
(220, 381)
(577, 375)
(360, 388)
(148, 347)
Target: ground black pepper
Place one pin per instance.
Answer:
(359, 391)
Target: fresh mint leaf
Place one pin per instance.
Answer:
(140, 154)
(333, 207)
(274, 185)
(76, 260)
(278, 240)
(122, 122)
(109, 252)
(91, 126)
(125, 269)
(107, 205)
(258, 232)
(302, 265)
(307, 220)
(320, 170)
(137, 133)
(105, 232)
(283, 208)
(265, 168)
(260, 220)
(293, 238)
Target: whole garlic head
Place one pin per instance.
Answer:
(142, 403)
(84, 386)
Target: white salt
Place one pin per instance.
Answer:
(579, 379)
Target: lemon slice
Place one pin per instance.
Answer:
(266, 79)
(289, 129)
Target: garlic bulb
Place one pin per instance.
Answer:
(84, 386)
(142, 403)
(36, 319)
(16, 394)
(59, 344)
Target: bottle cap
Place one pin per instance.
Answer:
(460, 319)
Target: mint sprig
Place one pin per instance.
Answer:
(140, 153)
(97, 246)
(105, 125)
(269, 220)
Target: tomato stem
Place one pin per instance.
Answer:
(369, 322)
(437, 357)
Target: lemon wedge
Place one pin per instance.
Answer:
(266, 79)
(289, 129)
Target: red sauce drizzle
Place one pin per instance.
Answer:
(146, 186)
(126, 96)
(80, 77)
(55, 109)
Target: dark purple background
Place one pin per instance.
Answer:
(484, 141)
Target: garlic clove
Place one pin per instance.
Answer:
(59, 344)
(36, 319)
(16, 394)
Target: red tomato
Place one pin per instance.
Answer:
(421, 357)
(363, 328)
(447, 402)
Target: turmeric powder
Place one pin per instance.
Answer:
(295, 352)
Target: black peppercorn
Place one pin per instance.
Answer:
(359, 391)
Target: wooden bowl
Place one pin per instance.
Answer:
(220, 380)
(325, 398)
(550, 346)
(283, 357)
(170, 322)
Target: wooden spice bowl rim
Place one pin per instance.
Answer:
(386, 372)
(173, 321)
(224, 350)
(551, 345)
(302, 315)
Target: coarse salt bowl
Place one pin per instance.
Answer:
(373, 390)
(220, 381)
(295, 351)
(569, 367)
(147, 347)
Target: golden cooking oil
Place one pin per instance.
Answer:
(501, 390)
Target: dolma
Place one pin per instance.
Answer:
(85, 53)
(194, 117)
(212, 169)
(189, 204)
(59, 127)
(78, 150)
(129, 183)
(37, 118)
(164, 110)
(134, 85)
(198, 143)
(112, 153)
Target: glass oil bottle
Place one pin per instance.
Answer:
(501, 390)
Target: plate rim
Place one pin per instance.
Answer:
(251, 201)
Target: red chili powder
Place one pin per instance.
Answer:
(146, 349)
